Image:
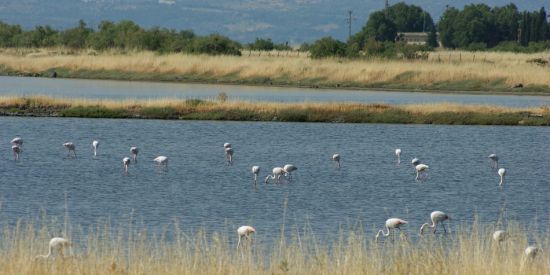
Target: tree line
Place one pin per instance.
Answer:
(475, 27)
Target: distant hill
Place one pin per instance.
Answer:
(295, 21)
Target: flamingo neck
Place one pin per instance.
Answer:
(426, 225)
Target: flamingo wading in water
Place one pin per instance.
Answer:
(71, 147)
(17, 140)
(244, 232)
(494, 160)
(256, 172)
(278, 172)
(95, 144)
(336, 158)
(501, 173)
(421, 171)
(288, 170)
(398, 155)
(126, 162)
(134, 151)
(437, 217)
(229, 155)
(161, 160)
(56, 244)
(391, 224)
(16, 151)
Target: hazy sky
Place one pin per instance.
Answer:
(295, 21)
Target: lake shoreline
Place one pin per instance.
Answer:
(195, 109)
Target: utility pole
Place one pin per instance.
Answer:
(349, 20)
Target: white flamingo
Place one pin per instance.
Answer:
(16, 151)
(17, 140)
(134, 151)
(256, 172)
(71, 147)
(229, 155)
(437, 217)
(278, 172)
(391, 224)
(95, 144)
(126, 162)
(501, 173)
(494, 160)
(288, 170)
(421, 171)
(415, 162)
(531, 252)
(336, 158)
(499, 236)
(244, 232)
(398, 155)
(226, 145)
(56, 244)
(161, 160)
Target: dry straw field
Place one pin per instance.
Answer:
(193, 109)
(108, 249)
(442, 70)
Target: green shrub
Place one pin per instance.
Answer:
(328, 47)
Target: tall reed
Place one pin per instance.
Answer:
(110, 249)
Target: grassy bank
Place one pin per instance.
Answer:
(442, 71)
(107, 249)
(440, 113)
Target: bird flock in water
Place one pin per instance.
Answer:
(244, 232)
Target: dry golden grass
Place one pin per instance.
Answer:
(123, 250)
(273, 107)
(441, 67)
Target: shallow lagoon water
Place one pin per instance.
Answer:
(108, 89)
(200, 191)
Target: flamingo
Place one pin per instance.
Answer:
(134, 151)
(336, 158)
(531, 252)
(494, 160)
(437, 217)
(161, 160)
(398, 154)
(17, 140)
(229, 155)
(288, 170)
(58, 244)
(277, 174)
(16, 151)
(71, 147)
(226, 145)
(255, 171)
(499, 236)
(415, 162)
(501, 173)
(244, 232)
(95, 144)
(420, 171)
(392, 223)
(126, 162)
